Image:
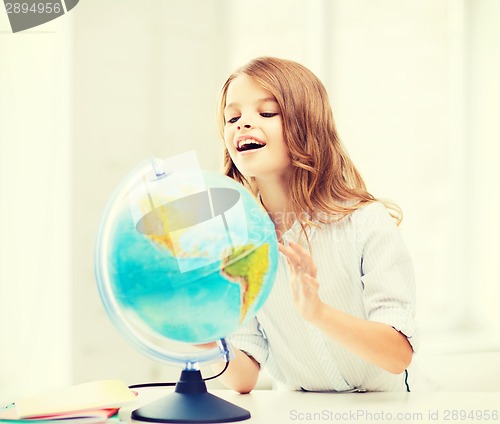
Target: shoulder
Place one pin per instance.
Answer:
(371, 213)
(373, 224)
(368, 215)
(364, 222)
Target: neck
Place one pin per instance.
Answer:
(275, 199)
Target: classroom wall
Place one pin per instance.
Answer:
(36, 196)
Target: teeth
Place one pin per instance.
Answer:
(248, 142)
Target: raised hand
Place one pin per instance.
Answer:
(303, 283)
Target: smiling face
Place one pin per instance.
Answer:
(253, 131)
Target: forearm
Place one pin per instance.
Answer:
(376, 342)
(241, 374)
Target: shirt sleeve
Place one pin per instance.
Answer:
(387, 274)
(250, 339)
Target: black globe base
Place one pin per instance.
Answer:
(190, 403)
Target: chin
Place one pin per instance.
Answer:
(247, 171)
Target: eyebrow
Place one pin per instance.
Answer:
(259, 101)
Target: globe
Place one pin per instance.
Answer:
(186, 256)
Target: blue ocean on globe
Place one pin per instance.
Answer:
(188, 255)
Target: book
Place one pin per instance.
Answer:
(99, 416)
(92, 402)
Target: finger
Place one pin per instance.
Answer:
(306, 260)
(294, 259)
(209, 345)
(311, 281)
(298, 261)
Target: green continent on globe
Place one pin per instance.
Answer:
(248, 272)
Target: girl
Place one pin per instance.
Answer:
(341, 313)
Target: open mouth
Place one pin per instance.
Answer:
(249, 144)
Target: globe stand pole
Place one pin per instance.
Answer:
(190, 403)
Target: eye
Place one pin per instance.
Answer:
(233, 120)
(268, 114)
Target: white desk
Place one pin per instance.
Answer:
(282, 407)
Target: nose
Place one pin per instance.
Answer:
(241, 125)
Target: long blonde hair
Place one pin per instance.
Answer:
(324, 182)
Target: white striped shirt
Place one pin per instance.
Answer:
(364, 269)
